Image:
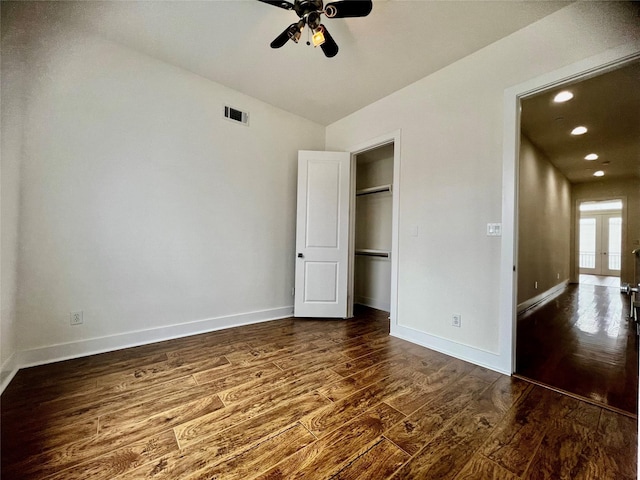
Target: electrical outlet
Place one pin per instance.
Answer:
(558, 276)
(456, 320)
(76, 318)
(535, 285)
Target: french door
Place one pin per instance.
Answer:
(600, 244)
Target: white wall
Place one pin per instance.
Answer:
(12, 110)
(142, 206)
(450, 184)
(544, 225)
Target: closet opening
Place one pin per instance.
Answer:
(372, 227)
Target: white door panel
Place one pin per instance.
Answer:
(321, 282)
(322, 234)
(323, 201)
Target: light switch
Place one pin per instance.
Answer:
(494, 229)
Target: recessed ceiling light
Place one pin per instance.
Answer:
(591, 156)
(563, 96)
(579, 131)
(599, 173)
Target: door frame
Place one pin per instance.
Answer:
(592, 66)
(575, 265)
(380, 141)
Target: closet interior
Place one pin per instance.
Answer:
(373, 226)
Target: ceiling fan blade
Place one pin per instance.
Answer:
(348, 8)
(288, 34)
(329, 47)
(279, 3)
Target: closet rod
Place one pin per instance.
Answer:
(369, 191)
(373, 253)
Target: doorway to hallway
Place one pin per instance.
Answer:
(575, 214)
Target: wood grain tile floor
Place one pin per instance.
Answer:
(299, 398)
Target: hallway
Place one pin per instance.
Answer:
(581, 342)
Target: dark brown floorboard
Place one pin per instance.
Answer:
(582, 342)
(300, 398)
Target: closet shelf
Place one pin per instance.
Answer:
(378, 189)
(369, 252)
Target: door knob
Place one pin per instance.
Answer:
(300, 255)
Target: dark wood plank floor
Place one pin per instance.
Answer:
(582, 342)
(300, 398)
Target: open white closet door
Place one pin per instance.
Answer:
(322, 234)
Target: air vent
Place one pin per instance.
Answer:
(236, 115)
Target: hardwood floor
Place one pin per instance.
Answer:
(300, 398)
(582, 342)
(601, 280)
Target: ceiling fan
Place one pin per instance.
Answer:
(309, 12)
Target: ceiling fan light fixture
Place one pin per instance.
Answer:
(295, 31)
(313, 20)
(591, 156)
(318, 37)
(599, 173)
(579, 130)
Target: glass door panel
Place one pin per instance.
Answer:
(587, 245)
(613, 232)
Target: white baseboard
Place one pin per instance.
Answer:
(527, 304)
(373, 303)
(8, 371)
(92, 346)
(479, 357)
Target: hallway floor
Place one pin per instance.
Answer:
(581, 342)
(601, 280)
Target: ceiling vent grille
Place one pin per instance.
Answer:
(235, 115)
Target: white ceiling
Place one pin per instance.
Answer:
(227, 41)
